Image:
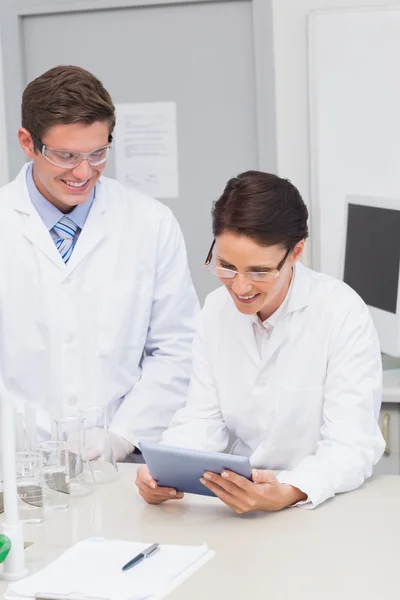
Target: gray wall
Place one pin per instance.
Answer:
(215, 59)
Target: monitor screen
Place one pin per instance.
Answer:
(372, 256)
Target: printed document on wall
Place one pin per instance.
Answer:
(146, 151)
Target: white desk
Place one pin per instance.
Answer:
(346, 549)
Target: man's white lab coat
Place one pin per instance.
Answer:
(116, 322)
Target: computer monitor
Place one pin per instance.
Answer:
(372, 262)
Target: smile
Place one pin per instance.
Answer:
(246, 299)
(75, 184)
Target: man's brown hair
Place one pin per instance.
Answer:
(65, 95)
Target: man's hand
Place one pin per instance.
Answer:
(120, 446)
(264, 493)
(95, 444)
(150, 491)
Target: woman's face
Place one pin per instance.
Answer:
(242, 254)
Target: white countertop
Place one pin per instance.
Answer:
(346, 549)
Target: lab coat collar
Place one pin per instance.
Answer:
(298, 299)
(300, 292)
(35, 230)
(273, 319)
(21, 200)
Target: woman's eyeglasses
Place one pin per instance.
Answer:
(257, 276)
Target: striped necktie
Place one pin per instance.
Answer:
(65, 230)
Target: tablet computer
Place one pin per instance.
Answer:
(181, 468)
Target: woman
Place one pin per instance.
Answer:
(286, 361)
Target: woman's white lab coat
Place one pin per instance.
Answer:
(309, 407)
(74, 335)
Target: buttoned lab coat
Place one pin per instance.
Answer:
(308, 407)
(75, 334)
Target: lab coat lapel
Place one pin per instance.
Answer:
(33, 227)
(245, 334)
(298, 299)
(279, 333)
(35, 230)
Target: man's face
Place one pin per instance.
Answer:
(65, 188)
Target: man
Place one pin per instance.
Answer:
(97, 303)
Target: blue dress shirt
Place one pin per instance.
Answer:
(50, 215)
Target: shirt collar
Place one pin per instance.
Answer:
(49, 214)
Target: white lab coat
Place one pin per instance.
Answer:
(309, 407)
(116, 322)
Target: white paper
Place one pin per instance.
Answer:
(146, 151)
(92, 568)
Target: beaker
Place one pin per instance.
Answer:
(70, 430)
(98, 448)
(29, 487)
(54, 458)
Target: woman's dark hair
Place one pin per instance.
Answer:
(263, 207)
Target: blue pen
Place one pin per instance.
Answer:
(150, 551)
